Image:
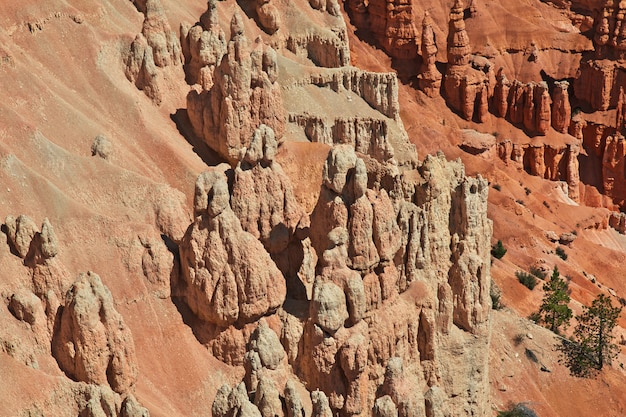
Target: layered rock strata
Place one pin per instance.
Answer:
(367, 136)
(555, 163)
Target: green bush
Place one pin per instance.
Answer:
(527, 280)
(497, 187)
(538, 273)
(561, 253)
(498, 250)
(517, 410)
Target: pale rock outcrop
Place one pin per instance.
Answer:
(156, 46)
(265, 342)
(160, 37)
(385, 407)
(330, 6)
(230, 277)
(561, 108)
(293, 401)
(361, 250)
(132, 408)
(267, 398)
(368, 136)
(102, 147)
(327, 49)
(141, 69)
(245, 95)
(263, 200)
(234, 402)
(321, 407)
(328, 307)
(203, 46)
(429, 78)
(21, 231)
(379, 90)
(92, 344)
(402, 389)
(26, 306)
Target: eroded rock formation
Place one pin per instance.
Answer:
(157, 46)
(429, 77)
(203, 46)
(245, 95)
(92, 344)
(467, 78)
(230, 277)
(392, 25)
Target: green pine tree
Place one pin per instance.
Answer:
(592, 346)
(554, 311)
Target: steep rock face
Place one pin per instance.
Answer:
(157, 46)
(91, 342)
(380, 90)
(429, 77)
(555, 163)
(245, 95)
(597, 83)
(366, 135)
(230, 277)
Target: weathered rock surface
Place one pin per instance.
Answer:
(561, 108)
(467, 78)
(203, 46)
(265, 204)
(392, 25)
(157, 46)
(92, 343)
(230, 277)
(245, 95)
(429, 77)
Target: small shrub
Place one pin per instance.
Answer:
(496, 304)
(622, 301)
(498, 250)
(520, 202)
(561, 253)
(545, 203)
(534, 317)
(538, 273)
(496, 134)
(527, 280)
(517, 410)
(518, 339)
(527, 190)
(497, 187)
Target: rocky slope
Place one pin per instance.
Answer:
(235, 219)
